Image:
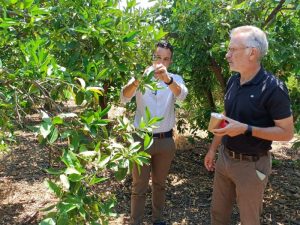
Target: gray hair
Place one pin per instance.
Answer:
(255, 37)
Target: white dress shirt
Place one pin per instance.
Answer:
(161, 103)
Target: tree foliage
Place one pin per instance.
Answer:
(200, 31)
(55, 51)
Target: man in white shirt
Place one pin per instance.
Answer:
(161, 103)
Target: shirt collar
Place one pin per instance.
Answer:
(256, 79)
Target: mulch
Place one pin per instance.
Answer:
(189, 186)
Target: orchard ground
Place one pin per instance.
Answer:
(189, 186)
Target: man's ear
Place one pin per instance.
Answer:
(254, 54)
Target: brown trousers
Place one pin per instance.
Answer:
(238, 181)
(162, 153)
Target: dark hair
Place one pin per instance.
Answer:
(166, 45)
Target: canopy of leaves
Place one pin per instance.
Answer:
(200, 32)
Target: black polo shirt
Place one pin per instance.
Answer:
(258, 103)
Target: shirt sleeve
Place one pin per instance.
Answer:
(124, 99)
(279, 103)
(184, 90)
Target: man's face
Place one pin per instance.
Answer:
(238, 54)
(162, 56)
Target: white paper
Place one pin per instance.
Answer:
(260, 175)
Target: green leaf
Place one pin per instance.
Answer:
(159, 35)
(96, 180)
(54, 136)
(131, 4)
(121, 173)
(75, 177)
(142, 124)
(83, 148)
(63, 219)
(45, 117)
(88, 154)
(79, 98)
(69, 158)
(66, 134)
(74, 200)
(155, 120)
(49, 208)
(54, 188)
(28, 3)
(67, 115)
(33, 89)
(66, 207)
(103, 161)
(129, 37)
(71, 170)
(35, 11)
(102, 73)
(104, 111)
(97, 90)
(148, 114)
(54, 171)
(5, 23)
(148, 141)
(57, 120)
(96, 223)
(81, 81)
(135, 146)
(48, 221)
(45, 129)
(105, 132)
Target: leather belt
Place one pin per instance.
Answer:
(167, 134)
(245, 157)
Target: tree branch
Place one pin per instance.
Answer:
(273, 13)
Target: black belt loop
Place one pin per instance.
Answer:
(167, 134)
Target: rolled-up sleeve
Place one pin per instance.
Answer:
(184, 90)
(124, 99)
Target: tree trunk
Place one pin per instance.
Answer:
(218, 72)
(210, 99)
(103, 99)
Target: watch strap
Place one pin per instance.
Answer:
(248, 132)
(170, 82)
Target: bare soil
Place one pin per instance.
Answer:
(189, 186)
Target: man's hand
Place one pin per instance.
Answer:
(209, 160)
(161, 73)
(233, 128)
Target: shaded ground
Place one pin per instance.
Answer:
(23, 194)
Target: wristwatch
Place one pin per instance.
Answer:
(170, 82)
(248, 132)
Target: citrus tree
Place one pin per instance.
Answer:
(54, 52)
(200, 32)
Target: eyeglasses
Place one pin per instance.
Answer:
(158, 58)
(233, 50)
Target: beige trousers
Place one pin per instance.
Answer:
(239, 181)
(162, 153)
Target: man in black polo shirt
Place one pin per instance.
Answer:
(258, 111)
